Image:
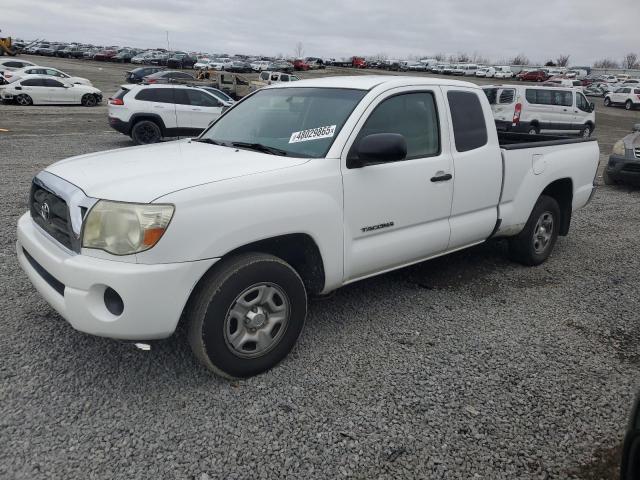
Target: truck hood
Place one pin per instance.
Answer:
(142, 174)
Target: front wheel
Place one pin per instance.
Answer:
(89, 100)
(533, 130)
(534, 244)
(586, 131)
(607, 102)
(607, 178)
(246, 315)
(628, 105)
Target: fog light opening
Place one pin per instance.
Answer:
(113, 302)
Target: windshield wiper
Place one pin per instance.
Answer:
(259, 147)
(208, 140)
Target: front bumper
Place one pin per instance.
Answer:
(624, 168)
(153, 296)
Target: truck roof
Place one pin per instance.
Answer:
(368, 82)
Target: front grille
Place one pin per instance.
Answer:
(636, 152)
(631, 167)
(51, 213)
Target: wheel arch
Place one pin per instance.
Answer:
(561, 191)
(157, 119)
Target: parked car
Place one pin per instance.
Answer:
(168, 76)
(12, 64)
(124, 56)
(280, 66)
(533, 76)
(627, 96)
(624, 161)
(238, 67)
(300, 65)
(269, 78)
(486, 72)
(315, 63)
(47, 90)
(536, 109)
(105, 55)
(221, 63)
(148, 113)
(137, 74)
(71, 51)
(233, 231)
(610, 79)
(563, 82)
(595, 90)
(503, 71)
(181, 60)
(260, 65)
(48, 71)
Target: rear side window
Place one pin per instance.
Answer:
(160, 95)
(492, 95)
(507, 95)
(467, 116)
(549, 97)
(121, 93)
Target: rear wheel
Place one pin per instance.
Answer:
(246, 315)
(145, 132)
(89, 100)
(24, 100)
(628, 105)
(533, 130)
(607, 102)
(534, 244)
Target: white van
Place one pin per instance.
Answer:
(470, 70)
(539, 109)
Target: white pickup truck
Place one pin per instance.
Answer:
(296, 190)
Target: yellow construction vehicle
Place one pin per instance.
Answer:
(6, 48)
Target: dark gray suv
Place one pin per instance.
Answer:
(624, 161)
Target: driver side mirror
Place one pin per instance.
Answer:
(377, 148)
(630, 466)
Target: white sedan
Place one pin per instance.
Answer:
(48, 71)
(44, 90)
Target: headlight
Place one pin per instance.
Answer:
(125, 228)
(618, 148)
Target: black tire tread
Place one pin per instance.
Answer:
(520, 248)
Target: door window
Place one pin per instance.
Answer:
(199, 99)
(33, 82)
(582, 103)
(49, 82)
(412, 115)
(467, 116)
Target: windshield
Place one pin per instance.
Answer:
(301, 122)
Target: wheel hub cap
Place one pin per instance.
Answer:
(257, 320)
(543, 232)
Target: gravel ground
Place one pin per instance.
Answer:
(463, 367)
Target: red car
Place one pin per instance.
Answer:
(105, 55)
(533, 76)
(300, 64)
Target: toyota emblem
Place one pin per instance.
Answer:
(45, 212)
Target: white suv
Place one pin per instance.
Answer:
(147, 113)
(629, 96)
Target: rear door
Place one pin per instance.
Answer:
(36, 89)
(477, 165)
(397, 213)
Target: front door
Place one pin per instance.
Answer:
(397, 213)
(203, 108)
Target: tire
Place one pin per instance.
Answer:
(628, 105)
(89, 100)
(607, 102)
(533, 130)
(24, 100)
(249, 284)
(586, 131)
(607, 179)
(535, 243)
(145, 132)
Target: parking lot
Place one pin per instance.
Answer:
(468, 366)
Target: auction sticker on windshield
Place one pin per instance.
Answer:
(313, 134)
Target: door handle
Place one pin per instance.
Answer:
(196, 109)
(442, 178)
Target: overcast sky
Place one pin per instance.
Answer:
(541, 29)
